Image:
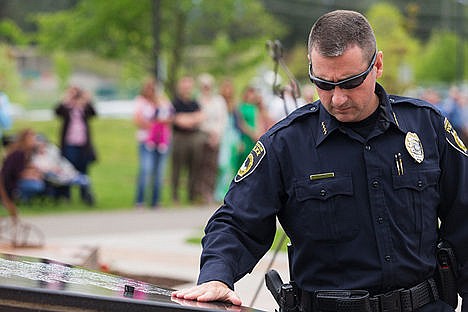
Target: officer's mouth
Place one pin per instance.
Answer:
(342, 110)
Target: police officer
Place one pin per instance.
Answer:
(358, 180)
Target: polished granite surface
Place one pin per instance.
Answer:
(35, 284)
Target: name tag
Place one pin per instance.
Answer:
(319, 176)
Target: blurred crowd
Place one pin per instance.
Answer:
(192, 144)
(207, 131)
(453, 104)
(34, 168)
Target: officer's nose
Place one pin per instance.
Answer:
(339, 97)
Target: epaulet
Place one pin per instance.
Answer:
(308, 109)
(402, 100)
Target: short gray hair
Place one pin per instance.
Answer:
(336, 31)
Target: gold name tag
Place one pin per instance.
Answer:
(322, 176)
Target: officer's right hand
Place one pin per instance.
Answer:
(209, 291)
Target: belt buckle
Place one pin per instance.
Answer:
(390, 301)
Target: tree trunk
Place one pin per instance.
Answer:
(156, 8)
(177, 51)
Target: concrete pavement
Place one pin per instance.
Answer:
(143, 242)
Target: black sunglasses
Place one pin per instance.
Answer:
(348, 83)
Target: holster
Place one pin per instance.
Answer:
(285, 294)
(446, 274)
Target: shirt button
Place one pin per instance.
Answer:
(420, 184)
(375, 184)
(388, 258)
(380, 220)
(368, 148)
(323, 192)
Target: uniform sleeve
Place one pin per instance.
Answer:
(454, 202)
(243, 229)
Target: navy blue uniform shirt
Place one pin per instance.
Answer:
(360, 213)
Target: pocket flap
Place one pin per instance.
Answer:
(416, 180)
(324, 189)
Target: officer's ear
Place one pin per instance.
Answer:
(379, 64)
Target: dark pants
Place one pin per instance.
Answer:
(79, 158)
(187, 149)
(209, 171)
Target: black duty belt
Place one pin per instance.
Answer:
(400, 300)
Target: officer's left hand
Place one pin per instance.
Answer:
(209, 291)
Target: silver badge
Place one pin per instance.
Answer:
(414, 146)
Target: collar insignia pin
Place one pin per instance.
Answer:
(414, 146)
(324, 128)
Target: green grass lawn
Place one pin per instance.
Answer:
(113, 175)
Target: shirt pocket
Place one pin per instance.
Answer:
(416, 199)
(326, 208)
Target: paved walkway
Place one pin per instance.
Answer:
(143, 242)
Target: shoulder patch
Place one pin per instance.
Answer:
(251, 162)
(452, 137)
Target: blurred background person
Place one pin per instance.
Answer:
(230, 141)
(75, 110)
(187, 139)
(153, 116)
(214, 110)
(432, 96)
(5, 114)
(55, 169)
(20, 180)
(285, 104)
(253, 122)
(308, 93)
(464, 114)
(451, 108)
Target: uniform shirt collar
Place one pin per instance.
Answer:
(386, 104)
(328, 124)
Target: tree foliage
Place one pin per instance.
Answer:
(62, 69)
(11, 33)
(123, 30)
(10, 80)
(397, 45)
(108, 28)
(438, 60)
(392, 38)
